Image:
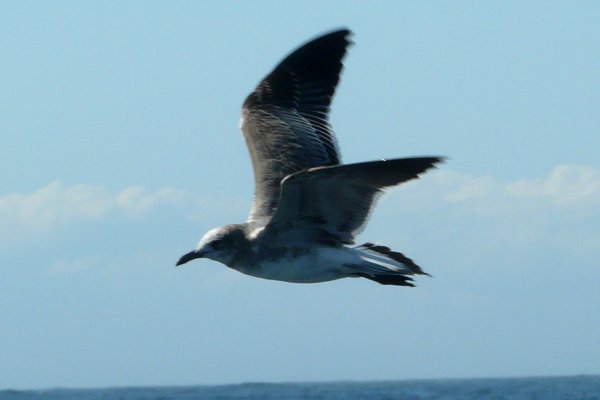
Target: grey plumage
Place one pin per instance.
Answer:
(285, 120)
(307, 207)
(340, 197)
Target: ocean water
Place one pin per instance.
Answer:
(559, 388)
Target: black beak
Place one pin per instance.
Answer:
(189, 257)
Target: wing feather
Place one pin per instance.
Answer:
(335, 202)
(285, 120)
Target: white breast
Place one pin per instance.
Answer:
(320, 264)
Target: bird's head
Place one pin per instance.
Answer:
(219, 244)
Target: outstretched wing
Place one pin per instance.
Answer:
(333, 203)
(285, 121)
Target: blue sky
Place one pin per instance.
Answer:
(120, 148)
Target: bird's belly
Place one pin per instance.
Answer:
(319, 265)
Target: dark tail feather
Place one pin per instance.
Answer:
(391, 279)
(394, 255)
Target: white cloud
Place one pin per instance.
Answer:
(565, 190)
(544, 218)
(56, 204)
(135, 199)
(565, 185)
(471, 187)
(573, 189)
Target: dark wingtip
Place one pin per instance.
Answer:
(433, 161)
(426, 161)
(440, 160)
(342, 31)
(424, 164)
(318, 61)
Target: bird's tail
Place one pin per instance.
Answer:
(384, 266)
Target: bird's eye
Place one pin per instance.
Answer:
(217, 244)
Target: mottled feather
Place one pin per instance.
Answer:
(285, 120)
(340, 198)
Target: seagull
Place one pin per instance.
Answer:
(308, 207)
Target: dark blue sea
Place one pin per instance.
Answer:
(559, 388)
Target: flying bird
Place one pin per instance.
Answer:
(308, 207)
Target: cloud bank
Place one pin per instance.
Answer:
(547, 224)
(57, 205)
(564, 185)
(566, 191)
(576, 188)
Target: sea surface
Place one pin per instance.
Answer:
(557, 388)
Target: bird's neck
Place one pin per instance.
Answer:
(242, 251)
